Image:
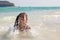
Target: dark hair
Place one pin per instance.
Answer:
(20, 15)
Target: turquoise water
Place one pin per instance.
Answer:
(45, 21)
(18, 9)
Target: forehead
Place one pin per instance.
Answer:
(24, 16)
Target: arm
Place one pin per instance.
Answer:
(27, 28)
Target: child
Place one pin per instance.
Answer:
(20, 22)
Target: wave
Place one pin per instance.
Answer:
(45, 19)
(35, 19)
(51, 18)
(7, 19)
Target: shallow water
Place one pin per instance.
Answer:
(44, 26)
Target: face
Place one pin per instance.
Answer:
(22, 21)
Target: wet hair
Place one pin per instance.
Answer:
(20, 15)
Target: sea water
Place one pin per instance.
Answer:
(44, 21)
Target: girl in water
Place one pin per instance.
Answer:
(21, 25)
(21, 22)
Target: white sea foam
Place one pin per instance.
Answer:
(7, 20)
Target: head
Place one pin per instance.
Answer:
(21, 19)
